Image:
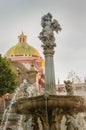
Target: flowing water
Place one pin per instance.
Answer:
(19, 93)
(20, 123)
(7, 111)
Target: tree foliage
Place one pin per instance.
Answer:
(8, 81)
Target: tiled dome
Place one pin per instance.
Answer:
(22, 48)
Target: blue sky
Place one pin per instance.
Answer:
(25, 15)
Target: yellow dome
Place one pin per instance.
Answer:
(22, 48)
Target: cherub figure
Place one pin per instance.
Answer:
(68, 86)
(49, 26)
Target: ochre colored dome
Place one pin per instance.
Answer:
(22, 48)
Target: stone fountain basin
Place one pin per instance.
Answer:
(27, 104)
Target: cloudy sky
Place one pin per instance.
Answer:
(25, 15)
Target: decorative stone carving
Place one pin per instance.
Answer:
(24, 87)
(55, 117)
(35, 124)
(69, 88)
(49, 26)
(48, 50)
(71, 122)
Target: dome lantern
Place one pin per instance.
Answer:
(22, 38)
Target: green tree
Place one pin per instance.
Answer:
(8, 78)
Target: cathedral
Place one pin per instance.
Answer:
(27, 55)
(24, 53)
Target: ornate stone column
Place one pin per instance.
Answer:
(48, 40)
(50, 86)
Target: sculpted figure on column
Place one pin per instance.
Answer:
(49, 26)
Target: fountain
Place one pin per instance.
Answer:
(8, 112)
(46, 112)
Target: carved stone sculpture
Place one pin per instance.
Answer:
(71, 123)
(68, 86)
(49, 26)
(24, 86)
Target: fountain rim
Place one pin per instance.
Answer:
(26, 104)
